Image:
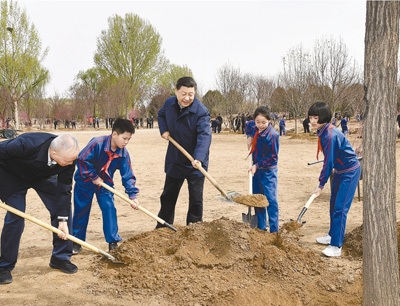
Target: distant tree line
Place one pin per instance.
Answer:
(132, 76)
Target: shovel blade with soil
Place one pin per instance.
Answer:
(232, 197)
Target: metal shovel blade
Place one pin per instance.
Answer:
(229, 197)
(249, 219)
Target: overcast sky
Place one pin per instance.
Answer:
(204, 35)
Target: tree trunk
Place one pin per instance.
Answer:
(380, 256)
(16, 113)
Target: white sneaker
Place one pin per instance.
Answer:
(324, 240)
(332, 251)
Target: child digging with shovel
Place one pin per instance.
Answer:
(97, 162)
(338, 155)
(263, 140)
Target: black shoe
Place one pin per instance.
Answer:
(5, 277)
(65, 266)
(76, 248)
(112, 246)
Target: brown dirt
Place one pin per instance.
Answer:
(218, 262)
(254, 200)
(224, 262)
(353, 242)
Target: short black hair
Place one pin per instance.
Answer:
(263, 111)
(322, 110)
(187, 82)
(123, 125)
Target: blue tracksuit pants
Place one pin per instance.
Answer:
(83, 203)
(14, 225)
(265, 181)
(344, 186)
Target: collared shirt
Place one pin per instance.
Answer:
(50, 162)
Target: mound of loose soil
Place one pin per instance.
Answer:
(353, 242)
(224, 262)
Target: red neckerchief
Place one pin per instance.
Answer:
(319, 149)
(254, 142)
(111, 156)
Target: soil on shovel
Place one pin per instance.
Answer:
(292, 226)
(225, 262)
(254, 200)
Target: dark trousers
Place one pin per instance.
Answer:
(170, 194)
(14, 225)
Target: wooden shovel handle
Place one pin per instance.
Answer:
(205, 173)
(126, 199)
(55, 230)
(313, 196)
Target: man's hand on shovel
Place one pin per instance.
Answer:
(63, 227)
(196, 164)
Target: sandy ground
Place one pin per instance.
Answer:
(35, 283)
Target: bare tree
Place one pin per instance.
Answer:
(233, 86)
(380, 253)
(296, 82)
(334, 72)
(262, 89)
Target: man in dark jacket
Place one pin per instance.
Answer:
(46, 163)
(187, 120)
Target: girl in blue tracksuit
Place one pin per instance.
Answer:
(264, 143)
(340, 157)
(97, 163)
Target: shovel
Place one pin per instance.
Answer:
(205, 173)
(303, 211)
(57, 231)
(126, 199)
(252, 220)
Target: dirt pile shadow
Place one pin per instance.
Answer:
(224, 262)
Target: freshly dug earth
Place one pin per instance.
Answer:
(255, 200)
(353, 242)
(224, 262)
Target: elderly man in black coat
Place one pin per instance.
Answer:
(45, 163)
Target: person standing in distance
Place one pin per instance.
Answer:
(187, 120)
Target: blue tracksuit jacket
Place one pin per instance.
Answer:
(93, 159)
(265, 154)
(190, 127)
(338, 153)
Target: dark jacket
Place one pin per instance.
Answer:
(23, 162)
(190, 127)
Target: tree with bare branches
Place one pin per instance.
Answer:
(296, 81)
(334, 72)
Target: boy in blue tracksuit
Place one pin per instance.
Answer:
(264, 143)
(338, 155)
(97, 163)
